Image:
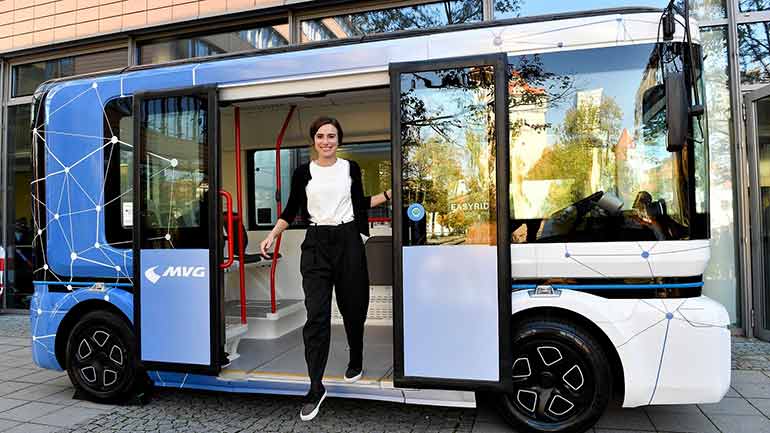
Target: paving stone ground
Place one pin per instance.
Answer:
(33, 400)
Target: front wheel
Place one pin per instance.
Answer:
(101, 357)
(561, 378)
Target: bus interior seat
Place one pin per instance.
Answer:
(379, 260)
(248, 259)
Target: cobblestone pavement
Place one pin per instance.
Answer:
(40, 401)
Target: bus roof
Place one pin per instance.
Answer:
(357, 40)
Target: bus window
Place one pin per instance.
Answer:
(448, 155)
(373, 158)
(588, 162)
(119, 173)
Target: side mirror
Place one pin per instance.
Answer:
(677, 110)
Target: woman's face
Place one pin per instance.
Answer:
(325, 141)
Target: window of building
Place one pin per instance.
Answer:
(421, 16)
(753, 5)
(754, 52)
(256, 37)
(20, 263)
(25, 78)
(589, 160)
(719, 279)
(373, 158)
(701, 9)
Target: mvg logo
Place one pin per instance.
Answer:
(175, 272)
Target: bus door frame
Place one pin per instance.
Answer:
(500, 63)
(216, 279)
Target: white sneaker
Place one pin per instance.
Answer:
(312, 405)
(353, 374)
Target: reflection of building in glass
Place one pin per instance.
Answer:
(590, 102)
(528, 142)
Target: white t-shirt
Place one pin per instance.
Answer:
(328, 193)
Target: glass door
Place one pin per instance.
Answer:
(452, 286)
(177, 302)
(758, 136)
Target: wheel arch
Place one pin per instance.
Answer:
(74, 315)
(616, 364)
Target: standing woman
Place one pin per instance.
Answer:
(329, 194)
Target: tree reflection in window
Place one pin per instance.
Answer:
(421, 16)
(587, 164)
(754, 52)
(448, 155)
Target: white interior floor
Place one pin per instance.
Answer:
(285, 356)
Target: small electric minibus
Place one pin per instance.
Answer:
(544, 248)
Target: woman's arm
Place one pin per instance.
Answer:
(380, 198)
(266, 243)
(288, 214)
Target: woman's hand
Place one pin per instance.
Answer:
(266, 244)
(380, 198)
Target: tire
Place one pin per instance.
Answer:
(561, 378)
(101, 357)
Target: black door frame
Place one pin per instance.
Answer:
(500, 64)
(215, 258)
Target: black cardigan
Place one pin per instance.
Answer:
(297, 203)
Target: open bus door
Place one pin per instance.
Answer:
(177, 303)
(452, 285)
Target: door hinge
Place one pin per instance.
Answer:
(743, 111)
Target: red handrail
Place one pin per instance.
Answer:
(229, 204)
(279, 209)
(379, 219)
(238, 189)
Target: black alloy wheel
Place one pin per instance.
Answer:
(561, 378)
(101, 357)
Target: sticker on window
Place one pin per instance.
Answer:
(128, 214)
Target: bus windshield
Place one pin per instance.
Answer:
(589, 160)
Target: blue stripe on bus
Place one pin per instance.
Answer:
(80, 283)
(611, 286)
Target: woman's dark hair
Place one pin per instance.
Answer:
(325, 120)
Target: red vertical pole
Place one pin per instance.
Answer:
(279, 208)
(238, 189)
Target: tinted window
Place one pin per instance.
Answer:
(119, 173)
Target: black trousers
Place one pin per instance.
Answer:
(333, 256)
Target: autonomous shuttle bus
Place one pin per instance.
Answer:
(544, 249)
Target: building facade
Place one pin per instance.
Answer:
(45, 39)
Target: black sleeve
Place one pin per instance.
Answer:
(357, 188)
(297, 190)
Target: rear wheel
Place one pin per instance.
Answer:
(101, 357)
(561, 378)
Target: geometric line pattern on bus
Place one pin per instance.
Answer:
(57, 216)
(666, 317)
(643, 254)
